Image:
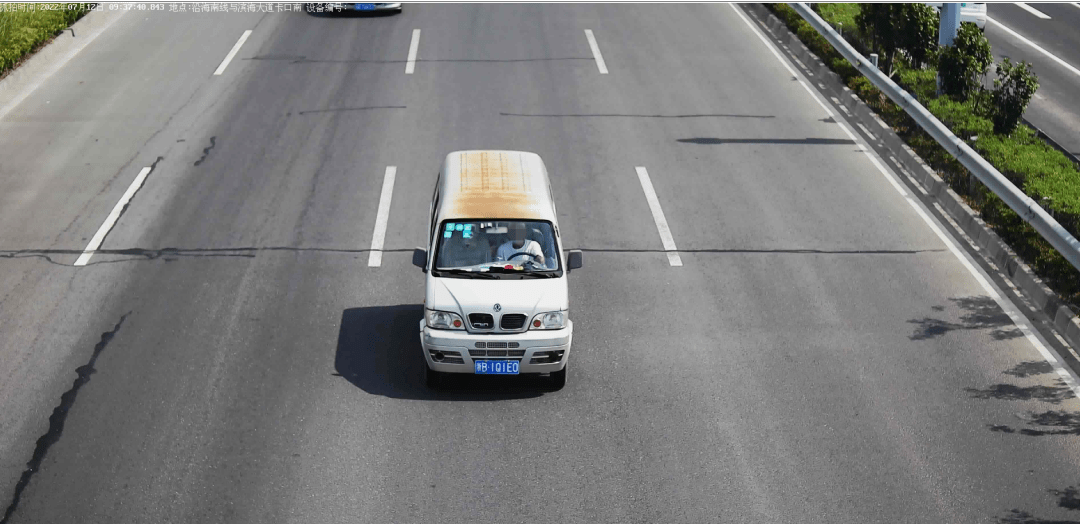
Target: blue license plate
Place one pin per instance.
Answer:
(497, 367)
(364, 7)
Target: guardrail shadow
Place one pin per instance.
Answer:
(379, 352)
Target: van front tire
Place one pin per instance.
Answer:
(433, 379)
(558, 378)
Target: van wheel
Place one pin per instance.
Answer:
(558, 378)
(433, 379)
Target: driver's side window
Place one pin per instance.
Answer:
(434, 212)
(547, 245)
(542, 236)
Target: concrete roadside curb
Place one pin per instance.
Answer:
(24, 79)
(924, 181)
(1052, 143)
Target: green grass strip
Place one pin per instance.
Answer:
(25, 27)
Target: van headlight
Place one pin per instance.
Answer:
(444, 320)
(549, 320)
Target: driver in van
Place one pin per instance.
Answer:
(519, 244)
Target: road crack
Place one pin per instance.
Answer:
(57, 419)
(206, 151)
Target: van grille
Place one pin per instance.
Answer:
(513, 321)
(482, 345)
(481, 321)
(496, 353)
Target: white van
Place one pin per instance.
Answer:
(496, 300)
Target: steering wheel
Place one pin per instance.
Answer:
(519, 253)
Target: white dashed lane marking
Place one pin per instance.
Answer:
(414, 47)
(379, 235)
(596, 52)
(232, 53)
(658, 217)
(110, 220)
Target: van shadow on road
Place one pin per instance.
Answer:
(379, 352)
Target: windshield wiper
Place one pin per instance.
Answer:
(472, 274)
(547, 273)
(539, 274)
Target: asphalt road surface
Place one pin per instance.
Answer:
(1056, 106)
(228, 355)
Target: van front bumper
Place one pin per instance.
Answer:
(534, 343)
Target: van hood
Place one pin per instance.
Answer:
(529, 297)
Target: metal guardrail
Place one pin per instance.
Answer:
(1013, 197)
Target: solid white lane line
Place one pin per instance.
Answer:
(377, 238)
(816, 98)
(414, 46)
(768, 45)
(1022, 323)
(235, 49)
(1076, 4)
(658, 217)
(596, 52)
(1048, 54)
(110, 220)
(1032, 10)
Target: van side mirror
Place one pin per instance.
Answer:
(419, 258)
(573, 259)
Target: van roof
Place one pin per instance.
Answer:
(495, 184)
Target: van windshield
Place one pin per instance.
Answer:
(497, 246)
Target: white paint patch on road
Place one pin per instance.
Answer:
(1022, 323)
(414, 47)
(596, 52)
(110, 220)
(1032, 10)
(1048, 54)
(232, 53)
(379, 236)
(658, 217)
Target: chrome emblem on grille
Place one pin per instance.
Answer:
(497, 308)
